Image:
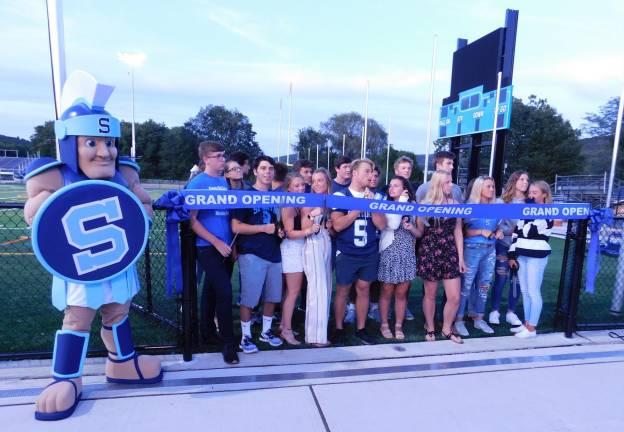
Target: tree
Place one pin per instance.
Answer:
(178, 154)
(541, 142)
(44, 140)
(351, 126)
(229, 127)
(602, 124)
(307, 141)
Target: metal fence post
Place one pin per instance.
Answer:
(577, 276)
(189, 288)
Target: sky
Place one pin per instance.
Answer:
(244, 54)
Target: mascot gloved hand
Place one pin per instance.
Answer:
(90, 221)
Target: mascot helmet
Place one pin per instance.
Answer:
(83, 114)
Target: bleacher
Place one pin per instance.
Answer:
(587, 188)
(13, 168)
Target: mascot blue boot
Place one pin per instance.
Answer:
(89, 216)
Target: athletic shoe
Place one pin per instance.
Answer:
(339, 337)
(460, 327)
(512, 318)
(248, 346)
(482, 325)
(526, 334)
(373, 312)
(364, 337)
(494, 317)
(350, 314)
(229, 354)
(270, 338)
(517, 329)
(409, 316)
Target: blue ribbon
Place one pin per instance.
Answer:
(596, 219)
(195, 199)
(173, 201)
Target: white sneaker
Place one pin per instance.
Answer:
(517, 329)
(460, 326)
(512, 318)
(494, 317)
(482, 325)
(526, 334)
(350, 314)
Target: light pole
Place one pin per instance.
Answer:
(133, 60)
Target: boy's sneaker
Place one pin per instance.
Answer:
(248, 346)
(339, 337)
(494, 317)
(270, 338)
(350, 314)
(482, 325)
(373, 313)
(409, 316)
(364, 337)
(512, 318)
(460, 327)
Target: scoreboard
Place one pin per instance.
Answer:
(473, 112)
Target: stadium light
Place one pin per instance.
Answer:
(134, 60)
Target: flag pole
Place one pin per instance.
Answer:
(365, 122)
(289, 124)
(431, 87)
(498, 88)
(279, 132)
(343, 143)
(56, 38)
(616, 144)
(388, 152)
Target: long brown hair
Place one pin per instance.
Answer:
(510, 187)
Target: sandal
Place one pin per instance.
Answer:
(453, 337)
(385, 331)
(398, 332)
(287, 335)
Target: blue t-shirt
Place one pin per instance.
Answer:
(477, 224)
(265, 246)
(361, 237)
(215, 221)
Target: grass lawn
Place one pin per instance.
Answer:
(28, 312)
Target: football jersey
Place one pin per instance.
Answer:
(362, 236)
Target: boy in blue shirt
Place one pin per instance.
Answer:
(214, 239)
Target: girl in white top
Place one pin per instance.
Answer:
(317, 253)
(397, 260)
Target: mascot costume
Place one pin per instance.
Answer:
(90, 221)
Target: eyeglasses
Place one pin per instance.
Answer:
(235, 169)
(217, 156)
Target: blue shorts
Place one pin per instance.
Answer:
(350, 268)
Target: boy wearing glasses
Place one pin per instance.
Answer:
(214, 239)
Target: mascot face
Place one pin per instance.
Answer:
(96, 156)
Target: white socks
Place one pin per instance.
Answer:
(266, 323)
(246, 328)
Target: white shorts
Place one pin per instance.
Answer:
(292, 255)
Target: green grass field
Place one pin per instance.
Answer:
(28, 312)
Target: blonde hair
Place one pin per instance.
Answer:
(289, 179)
(477, 188)
(356, 163)
(435, 193)
(545, 188)
(325, 174)
(510, 187)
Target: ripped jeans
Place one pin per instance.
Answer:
(479, 260)
(501, 277)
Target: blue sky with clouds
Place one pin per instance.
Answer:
(244, 54)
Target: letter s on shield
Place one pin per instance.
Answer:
(81, 238)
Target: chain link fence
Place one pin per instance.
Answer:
(28, 319)
(605, 307)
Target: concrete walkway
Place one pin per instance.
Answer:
(496, 384)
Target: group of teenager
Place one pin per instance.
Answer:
(286, 253)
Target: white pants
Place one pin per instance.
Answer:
(317, 267)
